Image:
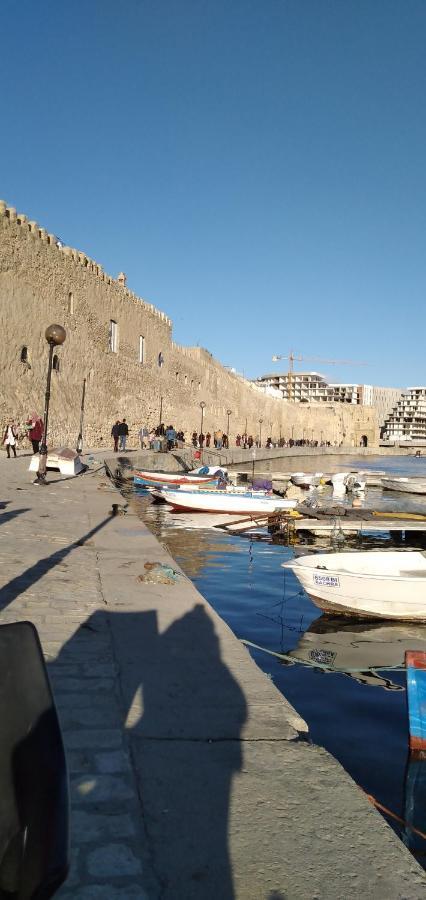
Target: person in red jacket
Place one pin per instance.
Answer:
(35, 430)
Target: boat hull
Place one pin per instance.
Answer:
(406, 485)
(224, 502)
(395, 596)
(153, 479)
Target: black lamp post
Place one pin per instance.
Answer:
(80, 433)
(228, 413)
(55, 336)
(260, 432)
(202, 407)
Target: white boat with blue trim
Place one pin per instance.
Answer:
(227, 500)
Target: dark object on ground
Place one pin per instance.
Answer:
(34, 809)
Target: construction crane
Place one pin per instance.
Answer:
(330, 362)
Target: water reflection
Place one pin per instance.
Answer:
(360, 651)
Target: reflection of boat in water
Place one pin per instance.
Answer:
(363, 651)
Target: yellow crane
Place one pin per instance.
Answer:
(292, 359)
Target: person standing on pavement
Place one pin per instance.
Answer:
(10, 438)
(123, 431)
(115, 435)
(143, 437)
(35, 430)
(170, 437)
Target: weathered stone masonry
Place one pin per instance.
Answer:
(43, 282)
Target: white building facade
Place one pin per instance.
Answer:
(407, 421)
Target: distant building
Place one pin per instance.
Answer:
(311, 387)
(407, 421)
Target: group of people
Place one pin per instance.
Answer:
(15, 433)
(220, 440)
(120, 433)
(167, 437)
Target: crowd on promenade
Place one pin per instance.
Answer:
(167, 437)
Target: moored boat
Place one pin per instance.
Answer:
(224, 501)
(413, 485)
(377, 584)
(205, 475)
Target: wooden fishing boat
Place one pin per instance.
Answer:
(224, 501)
(375, 584)
(206, 475)
(410, 485)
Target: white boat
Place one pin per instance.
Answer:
(413, 485)
(377, 584)
(343, 482)
(224, 501)
(307, 479)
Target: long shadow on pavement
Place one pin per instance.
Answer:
(10, 591)
(183, 712)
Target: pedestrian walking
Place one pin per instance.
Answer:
(144, 437)
(35, 428)
(238, 440)
(170, 437)
(123, 432)
(201, 439)
(219, 439)
(10, 438)
(194, 439)
(208, 439)
(115, 434)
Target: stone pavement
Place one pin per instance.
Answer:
(191, 777)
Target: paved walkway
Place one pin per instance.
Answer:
(189, 776)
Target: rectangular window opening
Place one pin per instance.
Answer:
(113, 336)
(141, 349)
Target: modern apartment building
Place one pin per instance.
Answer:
(311, 387)
(407, 421)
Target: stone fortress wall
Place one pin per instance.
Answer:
(43, 282)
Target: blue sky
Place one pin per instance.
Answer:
(257, 167)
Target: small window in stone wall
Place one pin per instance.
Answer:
(160, 359)
(113, 336)
(199, 385)
(55, 363)
(186, 379)
(24, 355)
(141, 349)
(177, 376)
(71, 303)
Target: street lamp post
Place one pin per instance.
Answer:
(55, 336)
(228, 413)
(202, 407)
(80, 433)
(260, 432)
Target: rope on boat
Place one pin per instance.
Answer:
(393, 815)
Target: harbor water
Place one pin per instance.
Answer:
(345, 677)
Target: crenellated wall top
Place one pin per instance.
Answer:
(10, 214)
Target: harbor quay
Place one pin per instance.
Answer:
(191, 776)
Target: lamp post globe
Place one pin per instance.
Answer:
(55, 336)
